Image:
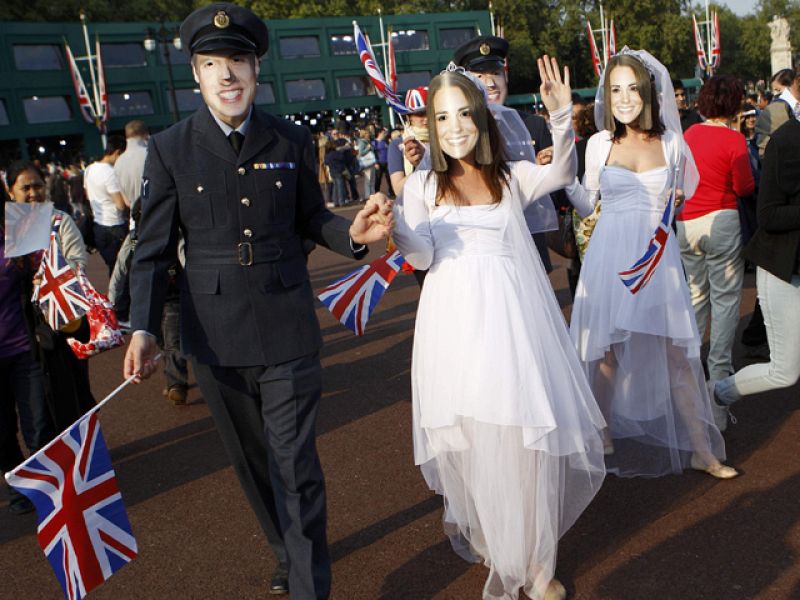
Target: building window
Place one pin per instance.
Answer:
(130, 104)
(410, 40)
(351, 87)
(44, 57)
(3, 114)
(406, 81)
(176, 57)
(49, 109)
(305, 90)
(343, 44)
(123, 55)
(299, 46)
(453, 38)
(189, 99)
(264, 93)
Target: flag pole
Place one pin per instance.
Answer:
(95, 91)
(385, 61)
(88, 413)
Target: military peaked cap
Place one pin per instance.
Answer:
(483, 53)
(224, 26)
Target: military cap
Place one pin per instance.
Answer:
(224, 26)
(483, 53)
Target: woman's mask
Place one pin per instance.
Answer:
(626, 103)
(455, 129)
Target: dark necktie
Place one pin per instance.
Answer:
(236, 139)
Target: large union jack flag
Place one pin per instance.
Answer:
(642, 270)
(83, 527)
(383, 89)
(352, 298)
(59, 294)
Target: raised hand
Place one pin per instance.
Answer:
(555, 90)
(373, 222)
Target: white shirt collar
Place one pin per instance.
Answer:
(793, 102)
(227, 129)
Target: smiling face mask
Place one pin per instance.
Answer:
(455, 129)
(626, 102)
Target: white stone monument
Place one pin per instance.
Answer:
(780, 50)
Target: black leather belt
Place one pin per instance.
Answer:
(245, 254)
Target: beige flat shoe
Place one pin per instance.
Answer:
(555, 591)
(717, 470)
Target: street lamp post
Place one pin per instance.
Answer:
(164, 36)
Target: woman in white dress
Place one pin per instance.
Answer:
(641, 351)
(505, 426)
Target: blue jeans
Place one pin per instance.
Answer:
(22, 381)
(339, 190)
(108, 241)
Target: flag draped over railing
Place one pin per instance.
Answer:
(382, 88)
(353, 298)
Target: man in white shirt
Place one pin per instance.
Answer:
(107, 201)
(791, 95)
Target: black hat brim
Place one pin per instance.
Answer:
(229, 41)
(485, 64)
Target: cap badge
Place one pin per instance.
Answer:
(484, 49)
(221, 20)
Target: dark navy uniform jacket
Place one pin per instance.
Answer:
(246, 299)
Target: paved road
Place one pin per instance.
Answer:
(682, 538)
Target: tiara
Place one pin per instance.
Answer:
(454, 68)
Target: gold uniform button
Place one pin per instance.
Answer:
(245, 201)
(248, 233)
(199, 189)
(241, 171)
(279, 184)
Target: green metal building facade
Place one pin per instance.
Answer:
(311, 74)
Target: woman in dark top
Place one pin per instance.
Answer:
(21, 375)
(775, 249)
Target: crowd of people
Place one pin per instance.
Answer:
(517, 416)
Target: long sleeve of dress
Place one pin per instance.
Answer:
(584, 196)
(537, 180)
(412, 232)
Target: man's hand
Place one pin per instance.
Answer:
(555, 91)
(139, 357)
(413, 150)
(680, 198)
(373, 222)
(545, 157)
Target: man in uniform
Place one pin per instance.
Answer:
(485, 57)
(241, 187)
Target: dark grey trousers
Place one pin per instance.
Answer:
(266, 417)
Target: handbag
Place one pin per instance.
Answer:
(367, 160)
(562, 240)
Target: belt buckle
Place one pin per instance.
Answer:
(244, 252)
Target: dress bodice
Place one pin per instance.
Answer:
(623, 190)
(479, 230)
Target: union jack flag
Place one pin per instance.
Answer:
(59, 294)
(87, 108)
(352, 298)
(716, 45)
(597, 65)
(103, 113)
(702, 59)
(642, 270)
(383, 89)
(83, 527)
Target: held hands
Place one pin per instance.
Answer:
(139, 358)
(373, 222)
(555, 91)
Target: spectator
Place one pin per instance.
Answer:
(381, 153)
(366, 161)
(688, 116)
(785, 105)
(323, 172)
(108, 203)
(405, 152)
(709, 232)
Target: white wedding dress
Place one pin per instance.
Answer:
(641, 351)
(505, 426)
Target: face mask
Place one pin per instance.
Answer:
(626, 103)
(455, 129)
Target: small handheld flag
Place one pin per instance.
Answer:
(353, 298)
(83, 528)
(383, 89)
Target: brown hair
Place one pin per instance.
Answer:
(649, 120)
(720, 97)
(489, 153)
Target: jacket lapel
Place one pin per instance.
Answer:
(211, 136)
(260, 135)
